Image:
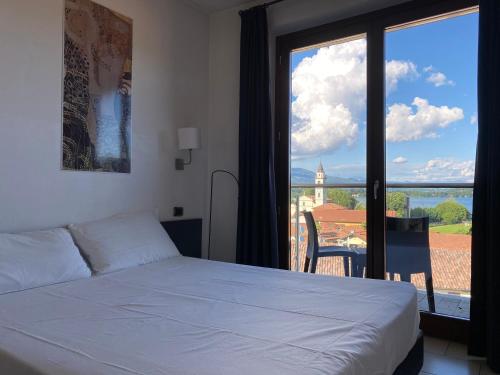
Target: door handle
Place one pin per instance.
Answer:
(376, 185)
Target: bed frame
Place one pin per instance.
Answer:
(414, 360)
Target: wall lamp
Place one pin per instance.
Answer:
(189, 139)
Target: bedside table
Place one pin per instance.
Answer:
(186, 235)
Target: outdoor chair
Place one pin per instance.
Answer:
(408, 251)
(314, 251)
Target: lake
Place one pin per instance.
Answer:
(426, 202)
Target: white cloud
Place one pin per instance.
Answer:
(329, 92)
(396, 70)
(405, 124)
(446, 169)
(438, 79)
(316, 134)
(473, 119)
(400, 160)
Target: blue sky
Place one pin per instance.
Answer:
(430, 104)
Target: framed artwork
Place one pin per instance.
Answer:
(97, 88)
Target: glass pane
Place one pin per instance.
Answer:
(328, 155)
(431, 133)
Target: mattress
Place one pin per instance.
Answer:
(192, 316)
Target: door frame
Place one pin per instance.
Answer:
(373, 25)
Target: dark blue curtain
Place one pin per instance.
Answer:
(257, 220)
(484, 334)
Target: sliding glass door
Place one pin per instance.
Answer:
(431, 132)
(376, 131)
(328, 157)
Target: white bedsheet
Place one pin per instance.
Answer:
(191, 316)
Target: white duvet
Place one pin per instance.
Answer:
(190, 316)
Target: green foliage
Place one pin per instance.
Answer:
(342, 197)
(447, 212)
(452, 229)
(360, 206)
(308, 191)
(437, 193)
(423, 212)
(418, 212)
(298, 192)
(396, 201)
(434, 216)
(452, 212)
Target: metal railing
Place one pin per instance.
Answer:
(391, 185)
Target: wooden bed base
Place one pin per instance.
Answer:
(414, 360)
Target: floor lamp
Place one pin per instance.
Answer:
(211, 199)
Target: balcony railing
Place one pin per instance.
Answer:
(449, 243)
(391, 185)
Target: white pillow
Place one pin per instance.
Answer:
(123, 241)
(33, 259)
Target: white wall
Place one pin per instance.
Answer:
(289, 16)
(173, 86)
(170, 87)
(224, 57)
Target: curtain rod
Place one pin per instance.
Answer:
(265, 5)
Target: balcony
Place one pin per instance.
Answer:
(341, 221)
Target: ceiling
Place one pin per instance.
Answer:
(215, 5)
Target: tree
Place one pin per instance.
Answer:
(423, 212)
(418, 212)
(434, 216)
(308, 191)
(360, 206)
(297, 192)
(342, 198)
(452, 212)
(396, 201)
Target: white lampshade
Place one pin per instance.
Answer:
(189, 138)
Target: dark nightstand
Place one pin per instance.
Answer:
(186, 235)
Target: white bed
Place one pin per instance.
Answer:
(191, 316)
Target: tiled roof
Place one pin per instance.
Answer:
(331, 212)
(451, 270)
(450, 253)
(453, 242)
(331, 206)
(335, 213)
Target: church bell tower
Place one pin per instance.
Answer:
(319, 192)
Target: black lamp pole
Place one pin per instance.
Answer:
(211, 199)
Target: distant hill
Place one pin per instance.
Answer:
(302, 176)
(305, 176)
